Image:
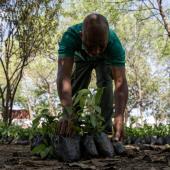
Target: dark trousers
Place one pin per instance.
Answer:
(81, 78)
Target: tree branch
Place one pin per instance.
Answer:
(165, 20)
(152, 11)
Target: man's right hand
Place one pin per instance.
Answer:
(66, 127)
(66, 123)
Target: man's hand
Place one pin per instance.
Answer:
(65, 94)
(66, 123)
(66, 127)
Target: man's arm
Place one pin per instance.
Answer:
(121, 96)
(64, 81)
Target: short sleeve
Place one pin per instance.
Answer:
(115, 50)
(67, 45)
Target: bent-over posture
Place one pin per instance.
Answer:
(93, 45)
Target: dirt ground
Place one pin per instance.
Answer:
(19, 157)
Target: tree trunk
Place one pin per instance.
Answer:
(50, 100)
(140, 100)
(30, 109)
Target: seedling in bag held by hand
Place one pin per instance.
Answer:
(66, 145)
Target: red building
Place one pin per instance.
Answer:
(20, 114)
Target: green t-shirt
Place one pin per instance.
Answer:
(71, 46)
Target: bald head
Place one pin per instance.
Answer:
(95, 33)
(95, 21)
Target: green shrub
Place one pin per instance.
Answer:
(147, 130)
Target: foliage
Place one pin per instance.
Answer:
(43, 150)
(88, 119)
(146, 130)
(44, 126)
(146, 45)
(139, 27)
(89, 114)
(27, 28)
(14, 131)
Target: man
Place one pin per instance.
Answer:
(92, 45)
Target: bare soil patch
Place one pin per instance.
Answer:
(146, 157)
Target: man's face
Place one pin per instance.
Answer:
(94, 44)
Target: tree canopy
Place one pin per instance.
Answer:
(31, 30)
